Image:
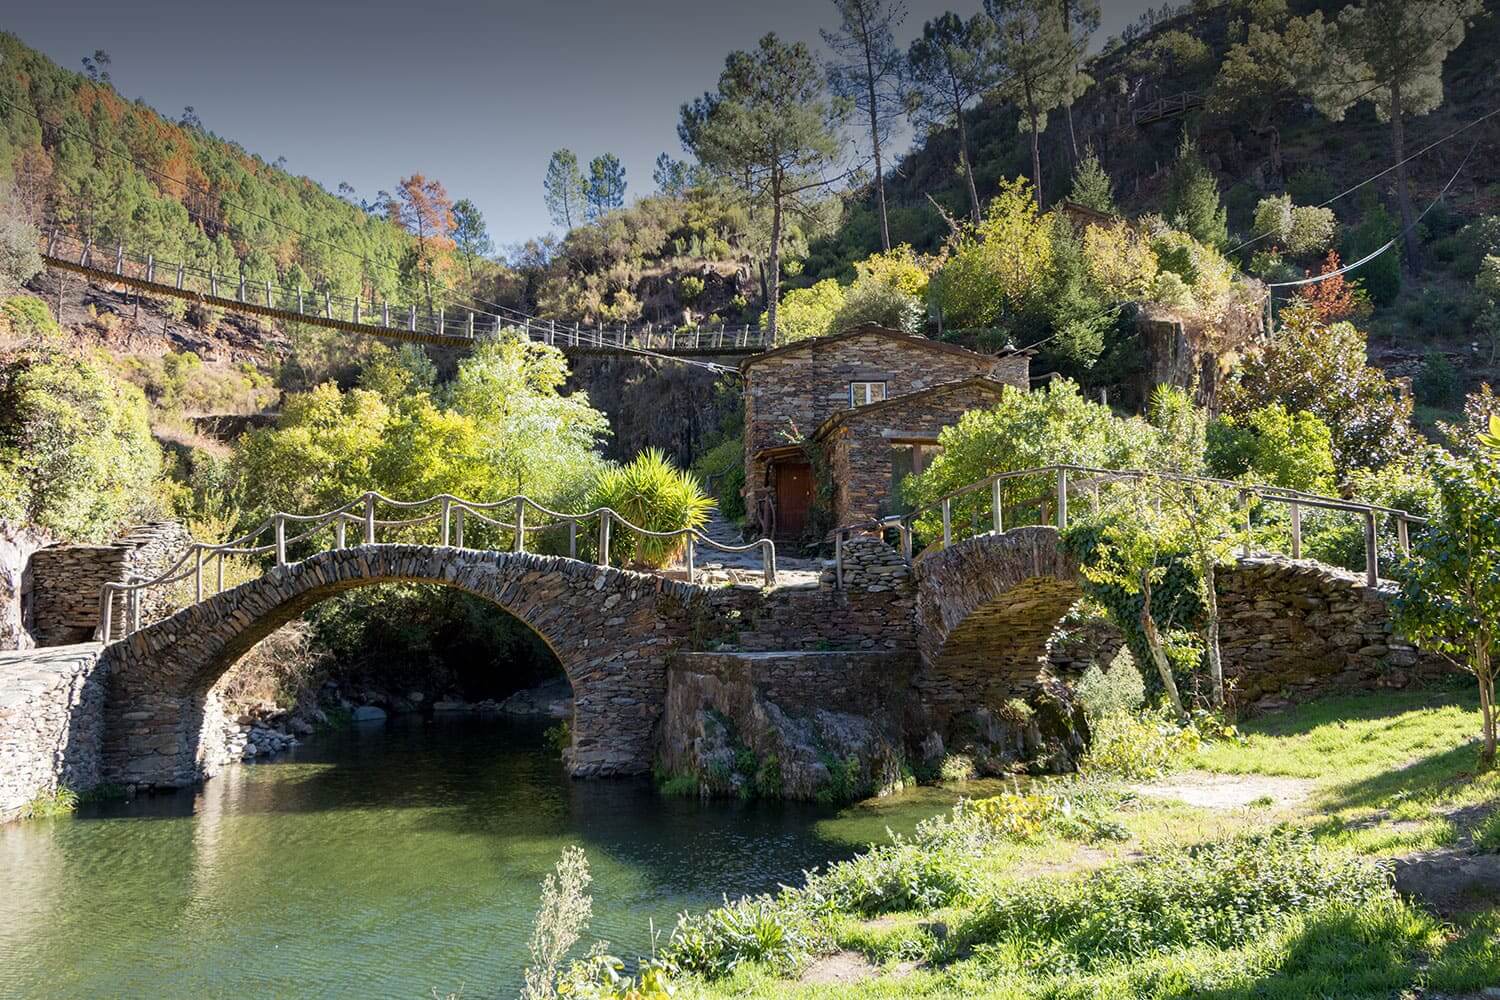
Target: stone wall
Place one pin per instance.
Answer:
(51, 722)
(67, 580)
(786, 724)
(790, 392)
(870, 566)
(17, 545)
(1293, 630)
(860, 442)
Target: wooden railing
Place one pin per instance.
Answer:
(1166, 107)
(1072, 480)
(203, 563)
(440, 326)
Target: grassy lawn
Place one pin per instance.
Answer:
(1277, 896)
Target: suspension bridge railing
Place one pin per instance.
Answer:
(446, 516)
(453, 326)
(1069, 482)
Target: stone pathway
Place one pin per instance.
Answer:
(714, 568)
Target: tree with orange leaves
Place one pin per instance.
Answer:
(422, 208)
(1333, 299)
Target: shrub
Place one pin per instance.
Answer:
(1437, 383)
(689, 287)
(884, 305)
(652, 493)
(903, 875)
(722, 469)
(1272, 445)
(809, 312)
(1222, 894)
(1076, 811)
(1300, 230)
(19, 260)
(561, 918)
(1381, 277)
(752, 929)
(1140, 747)
(1120, 689)
(29, 319)
(957, 767)
(60, 801)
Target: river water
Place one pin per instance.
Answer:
(380, 861)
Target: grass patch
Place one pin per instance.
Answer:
(49, 805)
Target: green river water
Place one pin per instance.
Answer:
(383, 861)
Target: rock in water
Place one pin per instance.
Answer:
(369, 713)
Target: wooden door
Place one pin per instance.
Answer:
(794, 494)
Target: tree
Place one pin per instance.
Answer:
(1450, 589)
(1334, 299)
(769, 128)
(811, 312)
(422, 208)
(605, 189)
(1039, 69)
(869, 76)
(1324, 369)
(19, 259)
(470, 234)
(565, 189)
(97, 66)
(1092, 187)
(1080, 20)
(1193, 198)
(1298, 229)
(1273, 445)
(1391, 53)
(948, 67)
(1002, 266)
(670, 176)
(1487, 288)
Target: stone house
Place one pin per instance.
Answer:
(869, 404)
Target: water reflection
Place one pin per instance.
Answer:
(377, 862)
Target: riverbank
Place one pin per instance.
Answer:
(1344, 848)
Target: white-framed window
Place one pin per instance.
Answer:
(861, 393)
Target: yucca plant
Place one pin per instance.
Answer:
(650, 492)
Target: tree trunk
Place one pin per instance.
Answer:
(1403, 191)
(1072, 136)
(1158, 651)
(1211, 635)
(1036, 158)
(1067, 24)
(773, 263)
(963, 159)
(1484, 672)
(885, 227)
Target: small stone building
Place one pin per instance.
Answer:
(66, 581)
(869, 403)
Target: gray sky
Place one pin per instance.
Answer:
(475, 94)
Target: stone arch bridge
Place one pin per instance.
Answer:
(611, 630)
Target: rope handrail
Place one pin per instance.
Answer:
(1295, 500)
(452, 511)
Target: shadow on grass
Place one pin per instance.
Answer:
(1421, 779)
(1300, 720)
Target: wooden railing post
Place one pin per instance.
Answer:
(219, 575)
(458, 528)
(572, 539)
(520, 545)
(106, 608)
(369, 518)
(604, 538)
(1296, 512)
(997, 514)
(906, 541)
(1245, 503)
(447, 520)
(1372, 551)
(690, 557)
(947, 522)
(279, 523)
(768, 560)
(1062, 499)
(197, 573)
(1403, 535)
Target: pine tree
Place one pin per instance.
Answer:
(1193, 198)
(869, 76)
(670, 176)
(948, 67)
(470, 234)
(1038, 65)
(1391, 53)
(605, 189)
(564, 189)
(769, 128)
(1092, 187)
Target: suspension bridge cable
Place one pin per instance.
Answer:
(1389, 243)
(1374, 177)
(513, 314)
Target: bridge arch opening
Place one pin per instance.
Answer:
(163, 717)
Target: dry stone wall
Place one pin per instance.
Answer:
(51, 722)
(17, 546)
(67, 580)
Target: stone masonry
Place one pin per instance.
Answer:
(860, 442)
(51, 716)
(790, 391)
(67, 579)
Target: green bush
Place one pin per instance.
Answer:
(722, 469)
(28, 318)
(760, 929)
(1380, 277)
(899, 876)
(1223, 894)
(1437, 384)
(652, 493)
(1119, 689)
(1140, 747)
